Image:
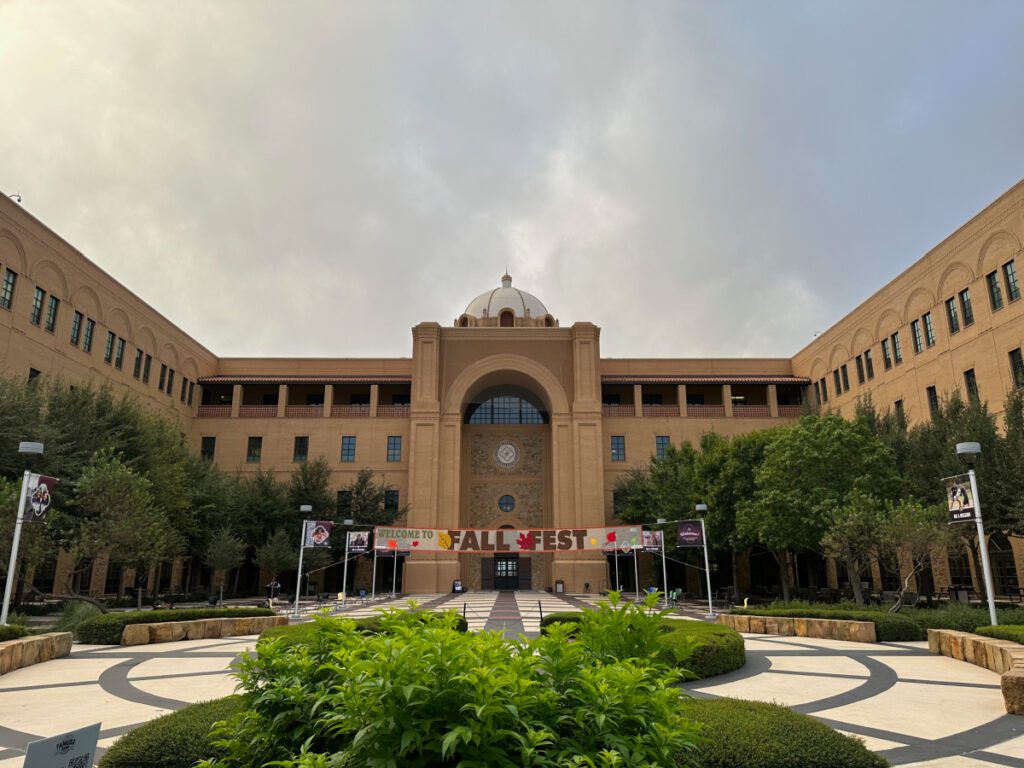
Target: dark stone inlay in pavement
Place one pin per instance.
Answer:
(114, 680)
(504, 616)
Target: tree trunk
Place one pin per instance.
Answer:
(238, 575)
(138, 591)
(854, 574)
(783, 560)
(188, 578)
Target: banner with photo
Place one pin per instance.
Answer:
(318, 534)
(623, 538)
(39, 497)
(358, 542)
(960, 499)
(691, 533)
(652, 541)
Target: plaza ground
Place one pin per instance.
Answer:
(913, 707)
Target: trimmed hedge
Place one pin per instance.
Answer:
(889, 627)
(750, 734)
(107, 629)
(702, 649)
(300, 634)
(1014, 632)
(176, 740)
(12, 631)
(563, 617)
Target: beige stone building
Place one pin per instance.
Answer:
(505, 417)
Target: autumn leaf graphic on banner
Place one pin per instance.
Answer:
(444, 540)
(525, 541)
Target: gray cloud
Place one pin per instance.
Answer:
(697, 178)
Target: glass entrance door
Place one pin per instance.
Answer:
(506, 572)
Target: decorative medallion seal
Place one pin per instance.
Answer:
(506, 454)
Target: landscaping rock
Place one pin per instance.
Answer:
(135, 634)
(167, 632)
(757, 625)
(934, 639)
(1012, 685)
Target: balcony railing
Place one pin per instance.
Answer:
(394, 411)
(215, 411)
(751, 411)
(257, 411)
(618, 410)
(661, 410)
(350, 411)
(790, 411)
(303, 411)
(705, 411)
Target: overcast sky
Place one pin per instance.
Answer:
(699, 179)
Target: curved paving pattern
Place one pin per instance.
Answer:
(914, 708)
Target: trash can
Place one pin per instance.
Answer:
(559, 585)
(960, 595)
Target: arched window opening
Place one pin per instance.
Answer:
(463, 321)
(505, 408)
(507, 319)
(548, 322)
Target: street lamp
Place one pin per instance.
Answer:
(28, 450)
(305, 509)
(969, 453)
(702, 510)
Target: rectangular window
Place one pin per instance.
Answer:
(209, 445)
(301, 450)
(971, 384)
(901, 417)
(965, 307)
(1010, 273)
(254, 450)
(995, 293)
(817, 392)
(618, 447)
(76, 328)
(119, 354)
(915, 334)
(886, 354)
(933, 401)
(869, 364)
(394, 447)
(145, 369)
(824, 391)
(661, 444)
(897, 349)
(952, 317)
(7, 289)
(846, 377)
(348, 447)
(837, 383)
(191, 391)
(51, 313)
(929, 330)
(860, 369)
(37, 306)
(170, 380)
(137, 368)
(108, 350)
(90, 328)
(163, 377)
(1017, 367)
(391, 501)
(184, 389)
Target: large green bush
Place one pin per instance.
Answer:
(889, 627)
(107, 628)
(1014, 632)
(561, 617)
(176, 740)
(292, 634)
(702, 649)
(73, 613)
(748, 734)
(12, 631)
(421, 694)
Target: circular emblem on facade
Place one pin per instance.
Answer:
(506, 454)
(506, 503)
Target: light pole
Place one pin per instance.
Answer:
(348, 523)
(702, 509)
(664, 568)
(305, 509)
(968, 452)
(28, 450)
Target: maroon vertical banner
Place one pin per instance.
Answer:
(691, 533)
(318, 534)
(40, 496)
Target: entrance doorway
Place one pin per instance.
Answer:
(506, 572)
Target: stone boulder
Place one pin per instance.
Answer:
(135, 634)
(1012, 685)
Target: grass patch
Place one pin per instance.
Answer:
(303, 634)
(106, 629)
(1014, 632)
(749, 734)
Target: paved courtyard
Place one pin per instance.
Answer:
(915, 708)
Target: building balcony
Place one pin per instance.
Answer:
(215, 411)
(303, 411)
(751, 411)
(394, 411)
(661, 410)
(705, 411)
(350, 411)
(618, 410)
(790, 411)
(257, 411)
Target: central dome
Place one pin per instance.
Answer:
(506, 306)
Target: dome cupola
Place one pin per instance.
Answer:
(506, 307)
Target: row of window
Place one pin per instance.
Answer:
(300, 450)
(661, 444)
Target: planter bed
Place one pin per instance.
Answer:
(33, 649)
(1004, 657)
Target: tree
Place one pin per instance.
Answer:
(310, 483)
(277, 554)
(854, 529)
(911, 531)
(224, 551)
(365, 501)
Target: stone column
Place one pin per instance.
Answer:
(681, 399)
(773, 403)
(832, 573)
(374, 399)
(727, 399)
(328, 399)
(638, 400)
(236, 400)
(282, 400)
(98, 577)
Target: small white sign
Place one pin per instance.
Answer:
(75, 749)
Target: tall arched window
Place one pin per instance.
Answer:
(503, 408)
(506, 319)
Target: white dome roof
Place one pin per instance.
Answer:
(491, 303)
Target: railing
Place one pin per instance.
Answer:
(303, 411)
(214, 411)
(350, 411)
(257, 411)
(790, 411)
(751, 411)
(618, 410)
(661, 410)
(707, 411)
(396, 411)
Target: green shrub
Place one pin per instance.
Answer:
(177, 740)
(562, 617)
(702, 649)
(12, 631)
(1014, 632)
(294, 634)
(73, 613)
(889, 627)
(106, 629)
(748, 734)
(421, 694)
